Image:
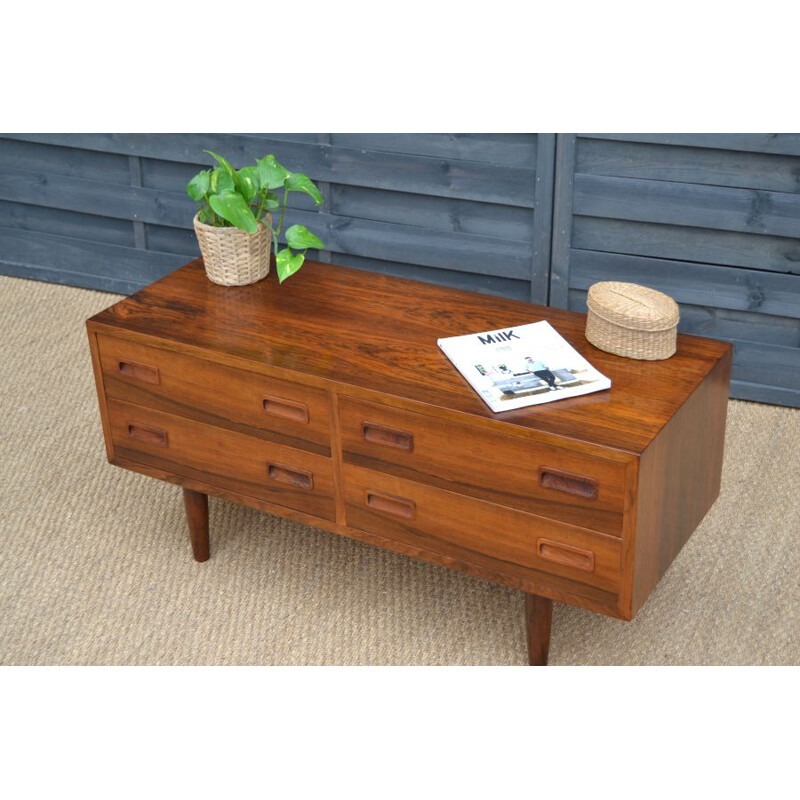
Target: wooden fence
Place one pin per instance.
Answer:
(110, 211)
(712, 219)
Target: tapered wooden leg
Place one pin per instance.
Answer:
(197, 516)
(538, 615)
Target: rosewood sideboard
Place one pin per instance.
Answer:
(327, 400)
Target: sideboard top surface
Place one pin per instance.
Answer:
(379, 333)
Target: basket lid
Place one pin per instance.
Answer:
(632, 306)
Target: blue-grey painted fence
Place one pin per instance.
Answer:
(110, 211)
(712, 219)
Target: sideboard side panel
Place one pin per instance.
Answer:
(679, 479)
(101, 391)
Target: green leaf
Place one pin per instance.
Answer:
(272, 202)
(299, 237)
(197, 188)
(227, 168)
(233, 207)
(221, 181)
(271, 174)
(223, 162)
(248, 183)
(288, 263)
(297, 182)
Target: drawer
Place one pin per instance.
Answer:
(233, 398)
(468, 529)
(548, 481)
(227, 459)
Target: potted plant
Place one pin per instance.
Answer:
(234, 223)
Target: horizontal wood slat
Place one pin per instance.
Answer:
(172, 240)
(88, 262)
(692, 205)
(511, 149)
(700, 284)
(475, 282)
(69, 161)
(461, 252)
(765, 393)
(703, 245)
(767, 364)
(778, 143)
(444, 214)
(97, 197)
(61, 222)
(713, 167)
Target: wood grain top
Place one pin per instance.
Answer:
(378, 334)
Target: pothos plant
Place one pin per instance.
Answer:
(241, 199)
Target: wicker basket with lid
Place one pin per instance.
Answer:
(632, 320)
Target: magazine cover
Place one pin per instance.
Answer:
(524, 366)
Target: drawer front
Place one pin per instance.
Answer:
(227, 459)
(462, 527)
(543, 480)
(190, 387)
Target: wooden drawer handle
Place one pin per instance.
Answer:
(380, 434)
(293, 477)
(571, 484)
(565, 554)
(286, 409)
(139, 372)
(147, 434)
(396, 506)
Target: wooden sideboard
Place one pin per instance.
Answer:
(327, 400)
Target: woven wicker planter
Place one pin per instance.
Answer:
(631, 320)
(233, 257)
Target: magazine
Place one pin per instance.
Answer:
(524, 366)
